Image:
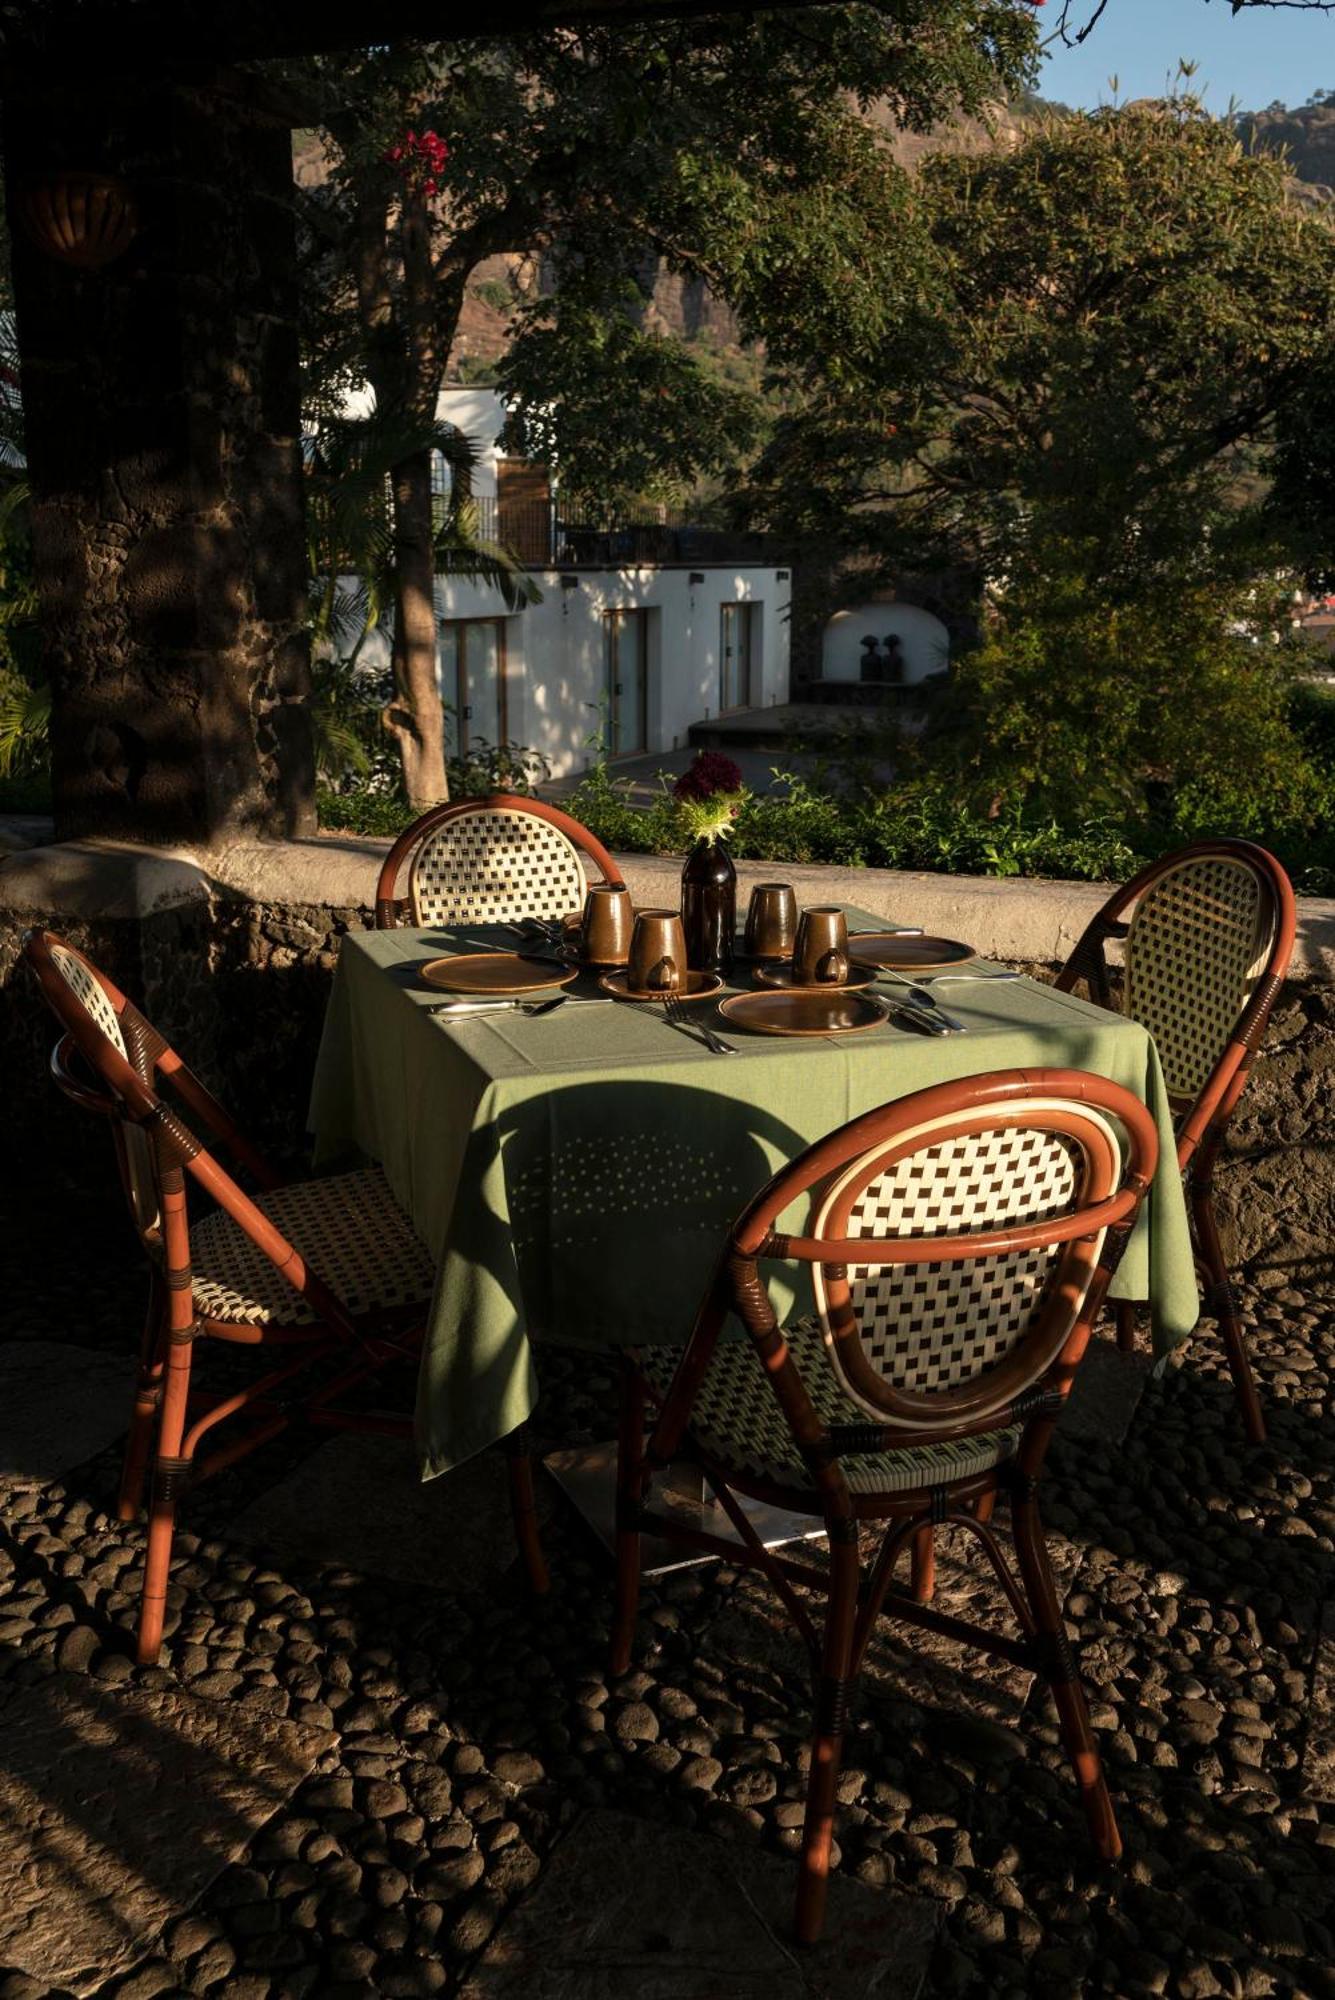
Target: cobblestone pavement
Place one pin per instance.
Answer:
(440, 1744)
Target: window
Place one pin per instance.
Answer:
(472, 681)
(626, 680)
(739, 624)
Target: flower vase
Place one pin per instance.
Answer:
(709, 907)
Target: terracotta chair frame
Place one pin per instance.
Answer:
(1202, 1121)
(392, 910)
(1094, 1235)
(158, 1155)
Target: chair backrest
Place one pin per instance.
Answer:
(110, 1060)
(1202, 936)
(1208, 942)
(103, 1006)
(960, 1239)
(490, 860)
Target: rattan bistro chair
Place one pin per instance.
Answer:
(961, 1243)
(322, 1271)
(489, 860)
(1209, 933)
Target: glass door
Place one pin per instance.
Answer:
(472, 681)
(626, 662)
(734, 656)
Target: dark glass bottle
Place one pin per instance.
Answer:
(709, 907)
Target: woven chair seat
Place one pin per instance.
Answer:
(736, 1420)
(348, 1228)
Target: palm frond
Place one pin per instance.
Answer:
(25, 715)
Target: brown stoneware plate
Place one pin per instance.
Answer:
(804, 1010)
(501, 972)
(784, 979)
(699, 986)
(898, 953)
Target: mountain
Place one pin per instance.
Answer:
(1306, 134)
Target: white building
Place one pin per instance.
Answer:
(622, 649)
(917, 639)
(626, 657)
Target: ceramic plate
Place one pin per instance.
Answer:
(906, 954)
(699, 986)
(785, 980)
(501, 972)
(804, 1010)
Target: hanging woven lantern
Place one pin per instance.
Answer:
(88, 220)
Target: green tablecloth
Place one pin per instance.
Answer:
(575, 1174)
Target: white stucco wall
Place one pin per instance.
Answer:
(924, 641)
(478, 413)
(554, 650)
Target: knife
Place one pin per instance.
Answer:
(927, 1004)
(910, 1016)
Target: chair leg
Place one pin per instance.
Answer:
(524, 1511)
(630, 1489)
(147, 1398)
(1222, 1301)
(834, 1687)
(922, 1565)
(1124, 1312)
(1060, 1671)
(169, 1474)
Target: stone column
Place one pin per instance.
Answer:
(161, 401)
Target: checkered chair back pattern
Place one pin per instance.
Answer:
(91, 994)
(138, 1166)
(495, 865)
(931, 1327)
(1200, 938)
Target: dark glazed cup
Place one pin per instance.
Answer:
(820, 956)
(609, 918)
(657, 953)
(771, 921)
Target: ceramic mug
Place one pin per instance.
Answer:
(771, 921)
(609, 918)
(657, 953)
(820, 956)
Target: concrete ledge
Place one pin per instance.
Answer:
(1012, 917)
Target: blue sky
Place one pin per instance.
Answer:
(1256, 56)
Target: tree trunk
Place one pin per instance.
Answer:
(416, 717)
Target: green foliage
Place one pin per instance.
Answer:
(921, 825)
(360, 789)
(351, 546)
(628, 415)
(730, 149)
(1102, 320)
(494, 292)
(25, 713)
(1312, 718)
(345, 710)
(363, 811)
(1080, 705)
(25, 698)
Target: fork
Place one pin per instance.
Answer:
(674, 1013)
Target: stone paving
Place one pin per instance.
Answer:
(346, 1780)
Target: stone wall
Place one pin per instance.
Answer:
(238, 976)
(162, 421)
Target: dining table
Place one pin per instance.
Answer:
(575, 1172)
